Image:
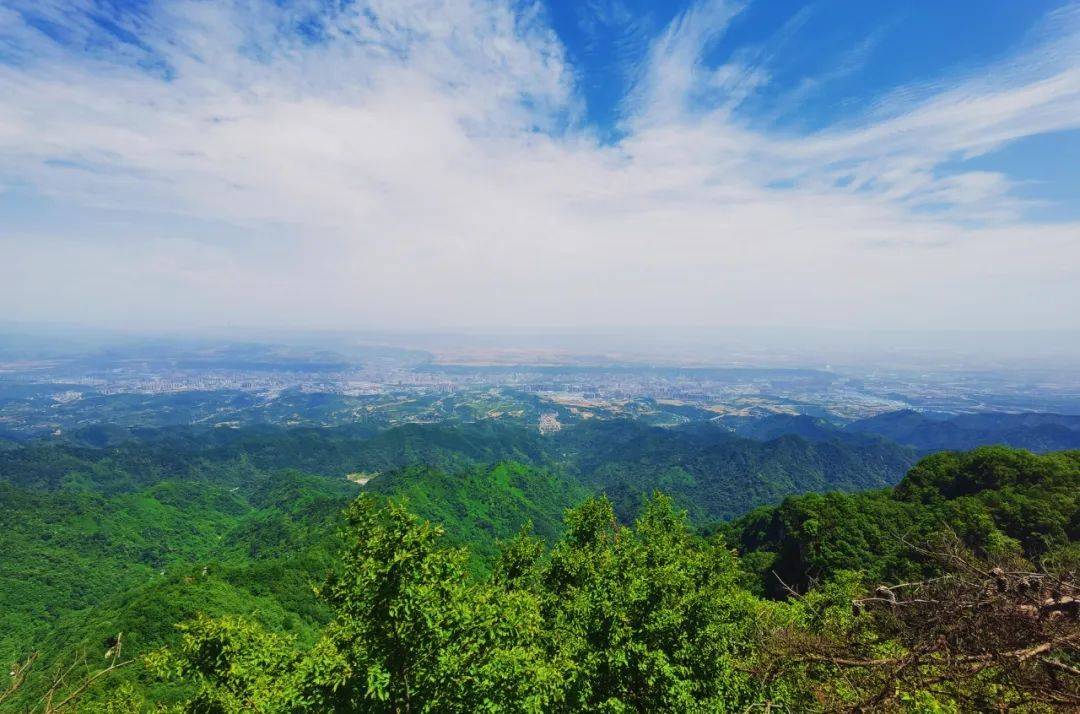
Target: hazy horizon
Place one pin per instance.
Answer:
(937, 351)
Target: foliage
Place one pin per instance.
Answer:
(979, 637)
(641, 618)
(999, 502)
(479, 505)
(594, 610)
(647, 617)
(83, 524)
(717, 475)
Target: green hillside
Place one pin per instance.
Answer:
(645, 617)
(617, 605)
(997, 501)
(715, 474)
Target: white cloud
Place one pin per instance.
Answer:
(425, 164)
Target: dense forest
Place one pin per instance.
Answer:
(479, 567)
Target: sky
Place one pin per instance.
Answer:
(318, 164)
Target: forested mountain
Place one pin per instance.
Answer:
(70, 549)
(718, 475)
(86, 522)
(643, 617)
(481, 505)
(937, 432)
(925, 432)
(998, 501)
(152, 528)
(811, 428)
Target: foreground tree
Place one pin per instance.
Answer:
(412, 632)
(980, 637)
(646, 618)
(649, 617)
(68, 682)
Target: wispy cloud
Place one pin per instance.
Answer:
(427, 163)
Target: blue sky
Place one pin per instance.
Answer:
(495, 163)
(853, 51)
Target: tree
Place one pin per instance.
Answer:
(412, 632)
(981, 637)
(69, 681)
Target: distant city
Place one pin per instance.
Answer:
(48, 386)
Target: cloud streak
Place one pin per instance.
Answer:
(428, 164)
